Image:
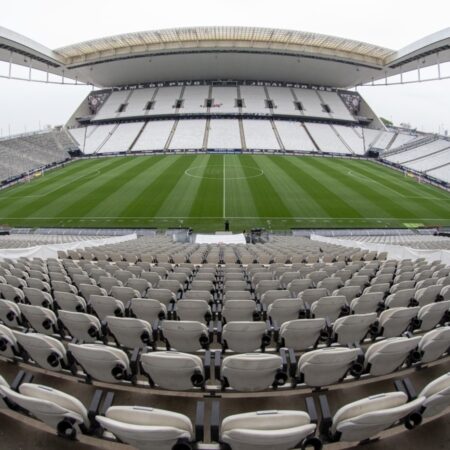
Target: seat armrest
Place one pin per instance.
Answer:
(107, 403)
(217, 364)
(311, 409)
(292, 363)
(134, 362)
(94, 406)
(325, 424)
(200, 422)
(219, 331)
(215, 421)
(207, 364)
(172, 311)
(405, 385)
(20, 378)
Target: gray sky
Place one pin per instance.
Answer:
(389, 23)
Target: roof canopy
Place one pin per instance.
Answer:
(240, 53)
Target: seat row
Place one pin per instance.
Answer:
(145, 427)
(246, 372)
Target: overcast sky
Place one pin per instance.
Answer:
(389, 23)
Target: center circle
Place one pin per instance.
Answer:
(218, 172)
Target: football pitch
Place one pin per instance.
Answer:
(202, 191)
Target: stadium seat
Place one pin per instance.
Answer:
(388, 355)
(173, 370)
(437, 396)
(250, 372)
(434, 344)
(147, 309)
(101, 362)
(43, 320)
(329, 307)
(106, 306)
(245, 337)
(301, 334)
(282, 430)
(60, 411)
(185, 336)
(393, 322)
(84, 327)
(147, 428)
(130, 332)
(327, 366)
(366, 418)
(47, 352)
(10, 313)
(284, 310)
(432, 314)
(193, 310)
(8, 343)
(354, 328)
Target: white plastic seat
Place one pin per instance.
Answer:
(8, 342)
(173, 286)
(194, 310)
(152, 277)
(103, 363)
(353, 329)
(270, 296)
(434, 344)
(381, 287)
(123, 275)
(140, 285)
(430, 315)
(107, 306)
(329, 307)
(11, 293)
(367, 303)
(437, 396)
(124, 294)
(36, 283)
(280, 430)
(88, 290)
(245, 337)
(173, 370)
(45, 351)
(266, 285)
(198, 295)
(108, 283)
(41, 319)
(393, 322)
(148, 309)
(10, 313)
(147, 428)
(330, 283)
(130, 332)
(428, 295)
(295, 287)
(326, 366)
(239, 310)
(84, 327)
(251, 372)
(301, 334)
(70, 302)
(235, 285)
(62, 286)
(309, 296)
(185, 336)
(369, 416)
(58, 410)
(388, 355)
(37, 297)
(237, 295)
(284, 309)
(404, 298)
(165, 296)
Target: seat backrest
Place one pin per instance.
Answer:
(437, 396)
(430, 315)
(185, 336)
(143, 427)
(244, 337)
(352, 329)
(434, 344)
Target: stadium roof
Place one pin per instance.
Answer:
(238, 53)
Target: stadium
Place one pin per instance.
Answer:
(224, 248)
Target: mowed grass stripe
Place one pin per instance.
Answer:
(147, 203)
(76, 201)
(385, 202)
(99, 199)
(180, 199)
(400, 194)
(239, 199)
(209, 202)
(31, 208)
(265, 197)
(315, 180)
(307, 204)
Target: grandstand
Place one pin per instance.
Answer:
(321, 320)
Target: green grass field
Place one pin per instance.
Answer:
(273, 192)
